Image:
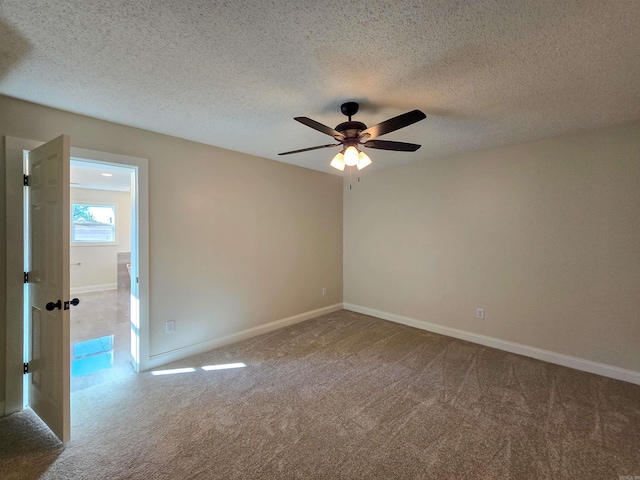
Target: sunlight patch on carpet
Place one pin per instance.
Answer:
(207, 368)
(223, 366)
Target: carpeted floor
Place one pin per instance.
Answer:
(342, 396)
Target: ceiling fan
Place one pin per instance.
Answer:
(352, 134)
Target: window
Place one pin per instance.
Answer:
(93, 224)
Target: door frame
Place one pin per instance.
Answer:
(15, 307)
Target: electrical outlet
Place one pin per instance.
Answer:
(170, 326)
(480, 313)
(324, 292)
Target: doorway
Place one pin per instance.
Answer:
(21, 338)
(102, 222)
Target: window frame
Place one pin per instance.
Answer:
(116, 229)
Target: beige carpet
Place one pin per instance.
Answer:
(342, 396)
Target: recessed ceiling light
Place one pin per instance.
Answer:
(107, 174)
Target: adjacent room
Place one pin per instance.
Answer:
(100, 272)
(326, 240)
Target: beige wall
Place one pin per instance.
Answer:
(236, 241)
(3, 271)
(544, 235)
(98, 263)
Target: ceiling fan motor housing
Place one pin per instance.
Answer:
(351, 129)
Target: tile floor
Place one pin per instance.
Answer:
(96, 316)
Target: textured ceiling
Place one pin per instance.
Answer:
(235, 73)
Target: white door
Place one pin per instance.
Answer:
(49, 367)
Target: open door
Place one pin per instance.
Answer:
(48, 216)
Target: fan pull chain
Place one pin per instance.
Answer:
(349, 178)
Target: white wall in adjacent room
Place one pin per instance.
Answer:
(98, 263)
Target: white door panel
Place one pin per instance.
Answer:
(49, 389)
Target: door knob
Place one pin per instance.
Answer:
(73, 302)
(52, 306)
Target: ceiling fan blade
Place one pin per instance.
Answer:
(310, 148)
(388, 145)
(393, 124)
(320, 127)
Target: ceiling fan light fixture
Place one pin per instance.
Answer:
(363, 160)
(338, 162)
(351, 156)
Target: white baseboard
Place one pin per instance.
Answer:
(537, 353)
(184, 352)
(94, 288)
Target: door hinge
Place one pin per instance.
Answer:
(25, 180)
(26, 277)
(25, 368)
